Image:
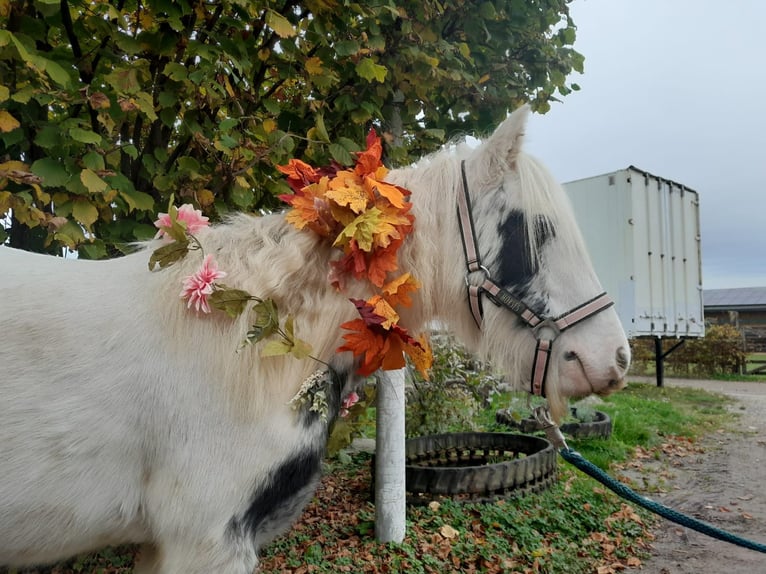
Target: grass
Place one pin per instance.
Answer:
(576, 527)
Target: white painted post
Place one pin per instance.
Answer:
(390, 493)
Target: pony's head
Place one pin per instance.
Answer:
(530, 252)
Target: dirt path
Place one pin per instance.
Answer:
(724, 486)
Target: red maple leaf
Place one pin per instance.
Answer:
(368, 161)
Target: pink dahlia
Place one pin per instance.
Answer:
(198, 287)
(348, 402)
(193, 219)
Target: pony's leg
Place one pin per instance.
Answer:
(228, 556)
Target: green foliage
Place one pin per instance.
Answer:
(107, 108)
(452, 399)
(720, 351)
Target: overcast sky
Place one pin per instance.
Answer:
(676, 88)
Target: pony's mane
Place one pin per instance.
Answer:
(539, 193)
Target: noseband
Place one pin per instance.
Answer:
(545, 329)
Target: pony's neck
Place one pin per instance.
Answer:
(433, 253)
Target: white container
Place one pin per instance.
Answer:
(643, 234)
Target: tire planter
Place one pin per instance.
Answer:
(477, 466)
(601, 427)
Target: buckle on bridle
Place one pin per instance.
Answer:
(547, 323)
(469, 273)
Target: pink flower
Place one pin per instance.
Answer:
(348, 402)
(193, 219)
(198, 287)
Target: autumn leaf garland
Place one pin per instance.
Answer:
(367, 219)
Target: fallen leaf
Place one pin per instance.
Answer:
(448, 532)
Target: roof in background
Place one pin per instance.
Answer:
(735, 298)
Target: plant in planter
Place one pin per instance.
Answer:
(459, 387)
(584, 420)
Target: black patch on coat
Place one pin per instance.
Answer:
(516, 268)
(278, 502)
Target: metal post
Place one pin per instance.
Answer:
(659, 362)
(390, 489)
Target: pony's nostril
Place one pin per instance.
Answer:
(622, 358)
(570, 356)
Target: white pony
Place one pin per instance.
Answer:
(127, 418)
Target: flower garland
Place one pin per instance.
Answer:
(367, 219)
(203, 292)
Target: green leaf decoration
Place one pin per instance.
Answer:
(168, 254)
(276, 348)
(232, 301)
(266, 321)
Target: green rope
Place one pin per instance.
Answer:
(575, 458)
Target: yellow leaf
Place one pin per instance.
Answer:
(227, 85)
(205, 197)
(85, 212)
(314, 66)
(345, 190)
(279, 24)
(269, 125)
(7, 122)
(12, 165)
(362, 229)
(92, 181)
(5, 201)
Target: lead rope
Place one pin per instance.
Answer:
(555, 437)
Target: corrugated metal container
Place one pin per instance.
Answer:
(643, 234)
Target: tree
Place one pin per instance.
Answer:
(108, 108)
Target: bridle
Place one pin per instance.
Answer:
(545, 329)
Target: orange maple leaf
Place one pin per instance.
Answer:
(299, 174)
(393, 354)
(383, 309)
(311, 209)
(382, 261)
(393, 193)
(397, 291)
(421, 355)
(361, 340)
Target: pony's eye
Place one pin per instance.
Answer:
(570, 356)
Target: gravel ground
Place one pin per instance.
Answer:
(724, 486)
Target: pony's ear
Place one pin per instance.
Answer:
(498, 153)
